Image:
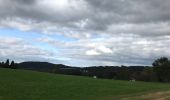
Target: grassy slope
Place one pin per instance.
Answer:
(29, 85)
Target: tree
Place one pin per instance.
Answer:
(160, 61)
(148, 75)
(1, 65)
(161, 67)
(13, 65)
(7, 63)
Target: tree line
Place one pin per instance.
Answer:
(159, 71)
(8, 64)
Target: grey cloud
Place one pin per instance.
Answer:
(130, 11)
(26, 2)
(137, 31)
(38, 11)
(100, 14)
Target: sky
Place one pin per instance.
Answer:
(85, 32)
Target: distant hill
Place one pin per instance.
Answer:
(40, 66)
(142, 73)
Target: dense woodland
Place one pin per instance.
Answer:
(160, 71)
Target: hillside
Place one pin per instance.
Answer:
(30, 85)
(39, 66)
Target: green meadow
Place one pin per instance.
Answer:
(31, 85)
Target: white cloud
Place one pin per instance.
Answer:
(99, 51)
(104, 49)
(63, 5)
(92, 53)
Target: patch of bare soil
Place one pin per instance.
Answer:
(163, 95)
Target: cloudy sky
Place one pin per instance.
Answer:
(85, 32)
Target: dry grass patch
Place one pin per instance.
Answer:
(163, 95)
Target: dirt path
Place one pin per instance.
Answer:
(163, 95)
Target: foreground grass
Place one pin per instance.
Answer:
(30, 85)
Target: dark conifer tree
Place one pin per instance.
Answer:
(7, 64)
(0, 65)
(3, 64)
(13, 65)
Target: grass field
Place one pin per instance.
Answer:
(30, 85)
